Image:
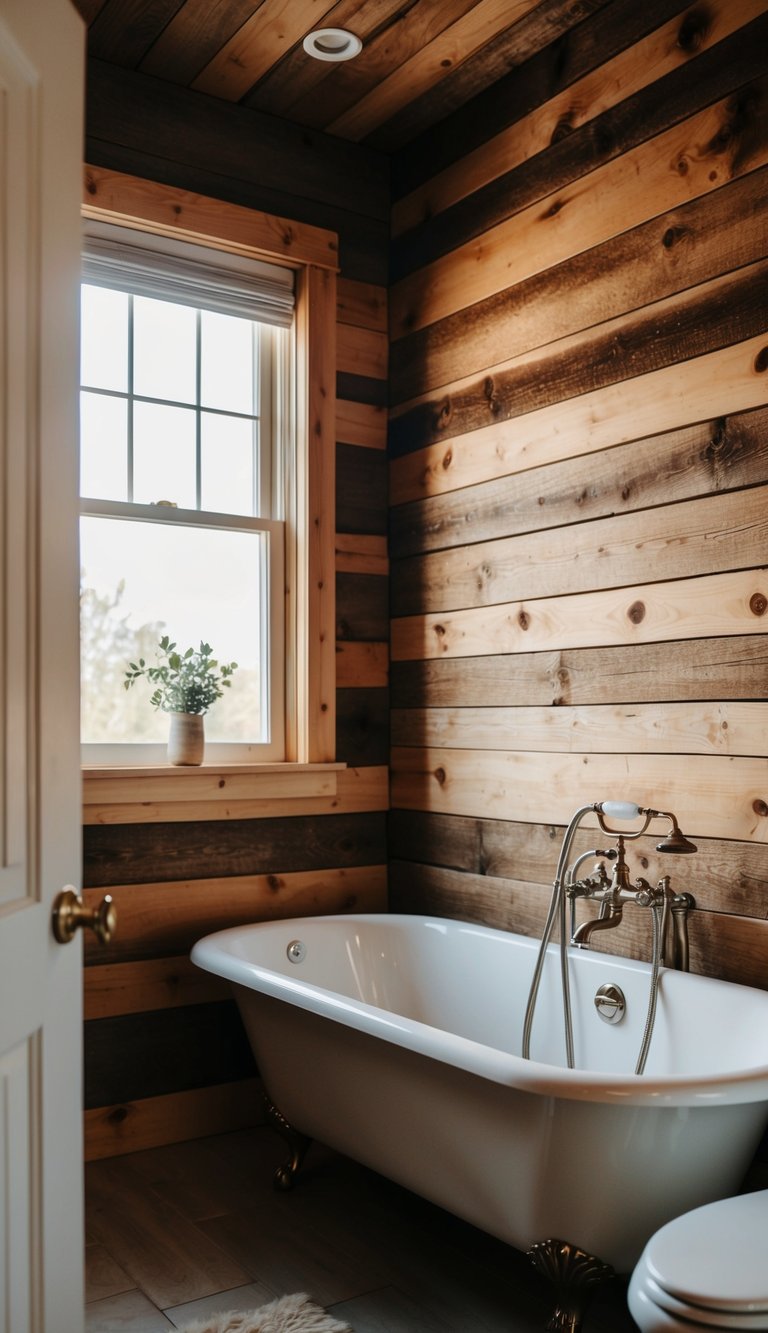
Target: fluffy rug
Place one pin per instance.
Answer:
(289, 1314)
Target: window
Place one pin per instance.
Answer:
(310, 254)
(186, 428)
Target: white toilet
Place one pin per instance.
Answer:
(706, 1270)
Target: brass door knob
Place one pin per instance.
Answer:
(71, 914)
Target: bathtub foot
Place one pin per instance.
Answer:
(298, 1143)
(574, 1275)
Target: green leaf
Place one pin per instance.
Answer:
(186, 681)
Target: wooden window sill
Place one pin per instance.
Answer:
(113, 794)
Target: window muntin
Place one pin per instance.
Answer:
(184, 426)
(178, 437)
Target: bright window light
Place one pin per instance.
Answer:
(143, 580)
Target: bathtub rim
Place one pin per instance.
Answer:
(736, 1087)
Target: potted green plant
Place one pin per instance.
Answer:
(186, 684)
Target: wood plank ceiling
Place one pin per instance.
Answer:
(421, 59)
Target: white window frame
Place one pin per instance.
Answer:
(309, 585)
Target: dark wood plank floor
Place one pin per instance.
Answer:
(175, 1233)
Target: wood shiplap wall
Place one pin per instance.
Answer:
(578, 373)
(165, 1055)
(579, 475)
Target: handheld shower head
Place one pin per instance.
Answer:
(674, 842)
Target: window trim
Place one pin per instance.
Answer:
(310, 598)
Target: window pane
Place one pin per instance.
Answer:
(143, 580)
(103, 447)
(227, 370)
(164, 455)
(228, 451)
(164, 350)
(104, 338)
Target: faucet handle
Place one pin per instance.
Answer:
(591, 885)
(645, 895)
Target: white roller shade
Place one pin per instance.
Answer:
(188, 274)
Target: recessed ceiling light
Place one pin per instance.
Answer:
(332, 44)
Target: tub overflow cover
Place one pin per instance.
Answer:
(610, 1003)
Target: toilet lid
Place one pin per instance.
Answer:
(714, 1258)
(674, 1314)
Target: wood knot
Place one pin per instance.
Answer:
(636, 612)
(672, 236)
(90, 185)
(491, 397)
(555, 208)
(682, 166)
(693, 30)
(275, 883)
(524, 620)
(117, 1115)
(758, 604)
(717, 438)
(761, 361)
(440, 775)
(447, 459)
(760, 808)
(443, 414)
(222, 783)
(563, 128)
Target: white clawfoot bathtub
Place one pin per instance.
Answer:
(396, 1039)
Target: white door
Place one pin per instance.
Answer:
(41, 91)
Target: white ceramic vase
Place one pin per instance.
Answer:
(186, 738)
